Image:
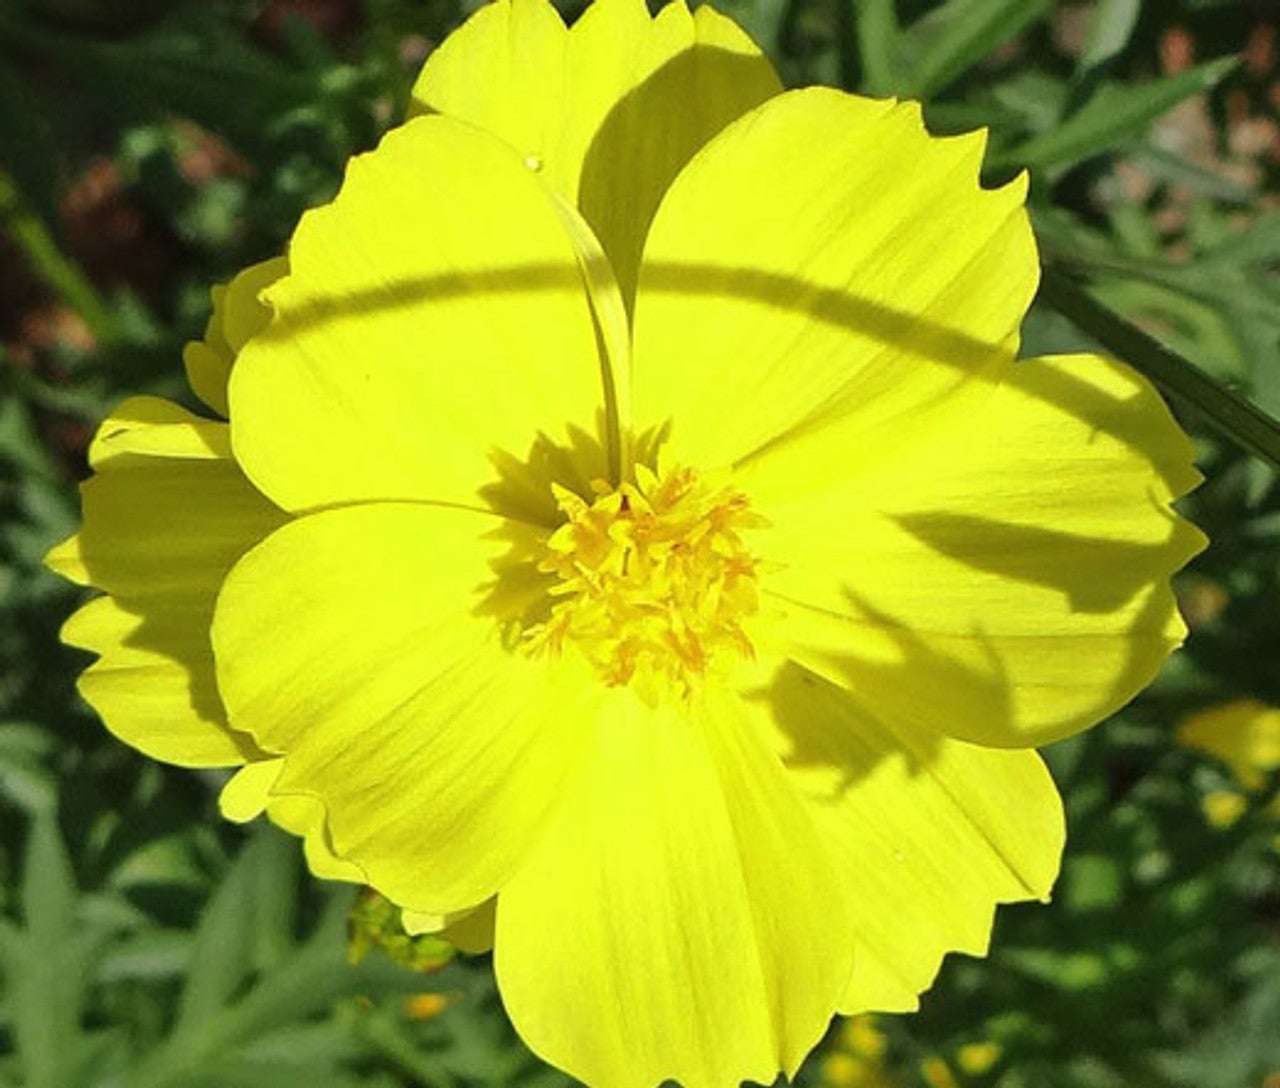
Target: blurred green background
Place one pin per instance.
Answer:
(149, 148)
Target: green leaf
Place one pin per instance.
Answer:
(1062, 242)
(1114, 114)
(220, 956)
(309, 982)
(48, 887)
(196, 65)
(961, 33)
(249, 1074)
(25, 779)
(389, 1037)
(44, 962)
(1258, 243)
(1173, 169)
(274, 857)
(875, 26)
(27, 143)
(762, 19)
(1110, 29)
(43, 254)
(159, 954)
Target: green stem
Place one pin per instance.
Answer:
(1229, 413)
(846, 44)
(48, 262)
(1159, 274)
(390, 1041)
(872, 30)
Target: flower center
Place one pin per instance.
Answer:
(655, 580)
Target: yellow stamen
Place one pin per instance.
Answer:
(655, 580)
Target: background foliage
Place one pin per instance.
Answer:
(151, 147)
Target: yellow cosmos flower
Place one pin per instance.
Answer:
(977, 1059)
(937, 1074)
(628, 541)
(1245, 735)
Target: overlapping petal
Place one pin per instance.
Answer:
(680, 917)
(434, 321)
(248, 795)
(609, 110)
(1005, 578)
(166, 515)
(358, 643)
(237, 315)
(468, 930)
(871, 281)
(928, 833)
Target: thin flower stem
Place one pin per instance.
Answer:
(1230, 414)
(48, 262)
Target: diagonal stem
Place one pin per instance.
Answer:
(48, 262)
(1234, 417)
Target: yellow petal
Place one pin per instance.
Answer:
(469, 930)
(824, 256)
(609, 110)
(434, 749)
(503, 70)
(1003, 578)
(244, 797)
(244, 313)
(64, 559)
(153, 684)
(929, 834)
(248, 794)
(165, 516)
(427, 329)
(679, 918)
(237, 315)
(148, 431)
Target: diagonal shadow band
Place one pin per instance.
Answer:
(829, 306)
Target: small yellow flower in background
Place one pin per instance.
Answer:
(860, 1035)
(426, 1006)
(976, 1059)
(857, 1059)
(375, 923)
(627, 541)
(936, 1073)
(1243, 733)
(841, 1070)
(1223, 808)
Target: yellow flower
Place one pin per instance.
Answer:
(426, 1006)
(858, 1058)
(937, 1074)
(841, 1070)
(375, 923)
(860, 1035)
(1223, 808)
(634, 545)
(976, 1059)
(1245, 735)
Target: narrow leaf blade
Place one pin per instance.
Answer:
(1110, 28)
(875, 25)
(221, 953)
(1112, 116)
(965, 31)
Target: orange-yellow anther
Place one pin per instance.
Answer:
(655, 580)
